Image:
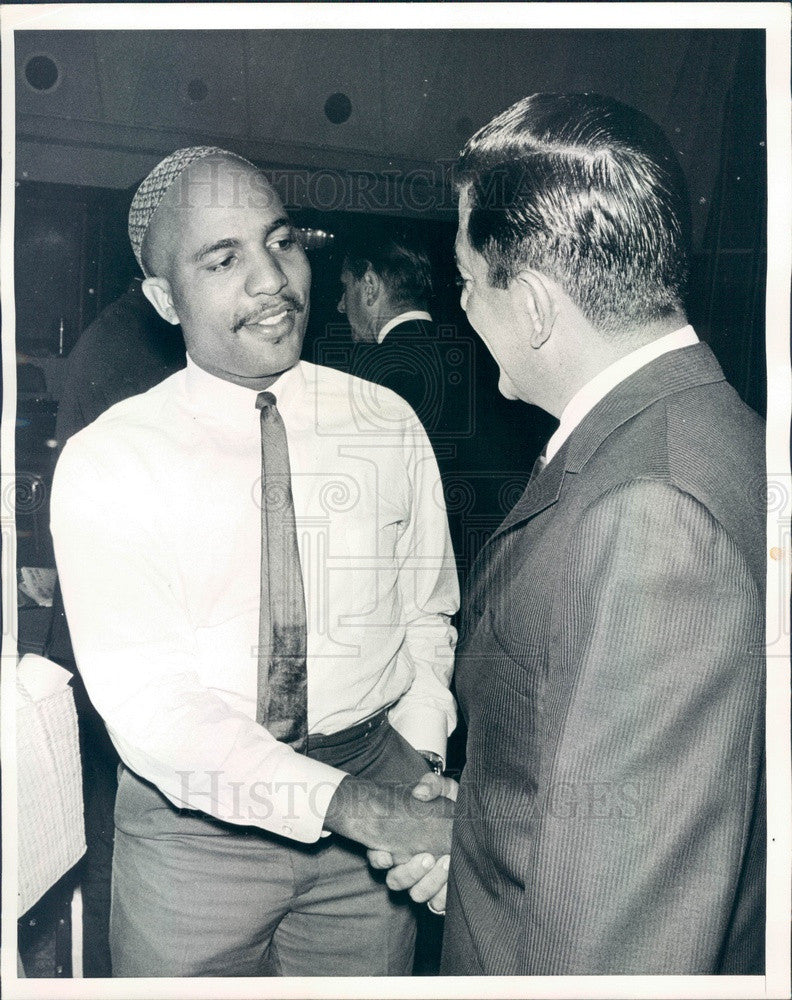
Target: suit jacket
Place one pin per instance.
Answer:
(408, 361)
(611, 814)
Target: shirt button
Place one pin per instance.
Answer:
(286, 828)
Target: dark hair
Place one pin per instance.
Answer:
(588, 191)
(402, 265)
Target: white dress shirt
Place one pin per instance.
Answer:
(586, 398)
(156, 523)
(406, 317)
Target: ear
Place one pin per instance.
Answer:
(372, 284)
(158, 292)
(537, 300)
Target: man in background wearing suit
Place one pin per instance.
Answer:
(387, 285)
(611, 814)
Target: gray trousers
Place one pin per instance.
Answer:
(196, 897)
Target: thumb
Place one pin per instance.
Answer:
(429, 787)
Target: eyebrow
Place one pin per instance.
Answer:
(231, 243)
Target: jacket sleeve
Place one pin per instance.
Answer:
(648, 789)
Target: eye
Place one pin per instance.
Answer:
(224, 264)
(284, 241)
(460, 281)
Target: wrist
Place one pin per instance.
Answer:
(357, 812)
(434, 760)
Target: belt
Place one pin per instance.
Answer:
(320, 740)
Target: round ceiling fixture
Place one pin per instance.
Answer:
(42, 72)
(338, 108)
(197, 90)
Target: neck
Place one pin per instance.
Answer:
(588, 352)
(393, 312)
(256, 382)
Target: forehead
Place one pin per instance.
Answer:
(219, 195)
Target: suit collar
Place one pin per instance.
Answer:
(666, 375)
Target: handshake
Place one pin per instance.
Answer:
(408, 833)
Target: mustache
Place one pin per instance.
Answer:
(284, 302)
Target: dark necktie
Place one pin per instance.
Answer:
(282, 678)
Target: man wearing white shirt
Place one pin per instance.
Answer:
(237, 852)
(611, 816)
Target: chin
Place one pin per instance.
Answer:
(506, 388)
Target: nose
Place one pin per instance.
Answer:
(463, 297)
(265, 276)
(341, 307)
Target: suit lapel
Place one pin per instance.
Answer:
(542, 491)
(666, 375)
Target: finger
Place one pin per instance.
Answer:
(432, 786)
(433, 883)
(437, 904)
(405, 876)
(429, 787)
(450, 788)
(380, 859)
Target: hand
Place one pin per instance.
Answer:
(431, 786)
(424, 877)
(392, 819)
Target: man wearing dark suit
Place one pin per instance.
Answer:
(611, 813)
(387, 284)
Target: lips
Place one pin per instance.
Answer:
(273, 320)
(272, 323)
(276, 320)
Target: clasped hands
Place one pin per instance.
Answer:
(406, 830)
(424, 875)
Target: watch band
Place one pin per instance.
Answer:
(434, 760)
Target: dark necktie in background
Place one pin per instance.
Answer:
(282, 676)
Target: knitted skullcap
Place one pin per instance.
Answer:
(152, 190)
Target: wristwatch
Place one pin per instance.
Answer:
(434, 760)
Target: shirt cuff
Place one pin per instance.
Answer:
(423, 727)
(300, 793)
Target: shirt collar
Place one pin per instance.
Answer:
(227, 402)
(586, 398)
(405, 317)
